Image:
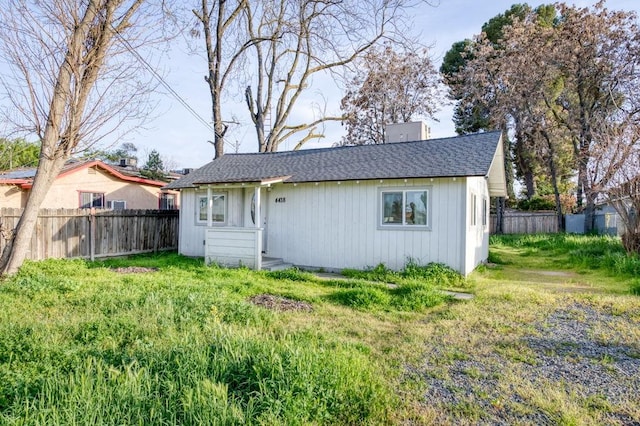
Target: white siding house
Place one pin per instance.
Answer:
(348, 207)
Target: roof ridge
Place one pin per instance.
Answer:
(331, 148)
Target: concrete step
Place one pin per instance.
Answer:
(274, 264)
(279, 267)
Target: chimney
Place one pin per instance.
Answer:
(406, 132)
(128, 162)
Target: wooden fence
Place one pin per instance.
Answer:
(526, 223)
(68, 233)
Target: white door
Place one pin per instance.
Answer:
(251, 220)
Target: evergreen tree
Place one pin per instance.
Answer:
(154, 167)
(18, 153)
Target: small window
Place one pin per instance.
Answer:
(218, 208)
(485, 211)
(404, 208)
(168, 201)
(116, 204)
(91, 199)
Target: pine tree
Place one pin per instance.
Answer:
(154, 168)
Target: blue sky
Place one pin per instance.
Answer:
(182, 139)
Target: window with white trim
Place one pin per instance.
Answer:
(404, 207)
(485, 211)
(218, 208)
(168, 201)
(91, 199)
(117, 204)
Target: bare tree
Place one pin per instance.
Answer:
(615, 171)
(75, 78)
(225, 43)
(598, 53)
(298, 40)
(283, 45)
(527, 100)
(581, 79)
(388, 87)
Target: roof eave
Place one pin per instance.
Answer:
(238, 183)
(112, 171)
(23, 183)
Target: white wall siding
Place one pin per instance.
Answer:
(192, 233)
(234, 246)
(336, 226)
(190, 237)
(477, 238)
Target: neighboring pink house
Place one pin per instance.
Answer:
(86, 184)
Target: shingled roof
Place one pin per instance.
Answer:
(24, 177)
(469, 155)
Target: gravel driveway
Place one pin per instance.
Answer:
(576, 352)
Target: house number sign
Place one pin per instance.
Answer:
(281, 200)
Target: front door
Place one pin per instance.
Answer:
(250, 219)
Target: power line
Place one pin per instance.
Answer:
(161, 80)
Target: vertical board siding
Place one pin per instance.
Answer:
(191, 237)
(477, 236)
(335, 225)
(66, 233)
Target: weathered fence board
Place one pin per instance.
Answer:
(67, 233)
(526, 223)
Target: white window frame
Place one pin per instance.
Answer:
(93, 193)
(214, 195)
(404, 226)
(165, 196)
(110, 204)
(485, 212)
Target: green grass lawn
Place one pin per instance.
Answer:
(81, 343)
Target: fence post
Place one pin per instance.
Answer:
(92, 234)
(156, 234)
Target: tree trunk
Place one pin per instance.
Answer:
(582, 179)
(589, 212)
(556, 193)
(218, 142)
(500, 204)
(508, 164)
(530, 184)
(524, 165)
(554, 180)
(15, 251)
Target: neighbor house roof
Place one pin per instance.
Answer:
(24, 177)
(469, 155)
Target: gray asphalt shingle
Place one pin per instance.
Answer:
(468, 155)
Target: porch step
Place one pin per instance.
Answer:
(274, 264)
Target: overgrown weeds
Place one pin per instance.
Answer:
(82, 344)
(582, 252)
(435, 274)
